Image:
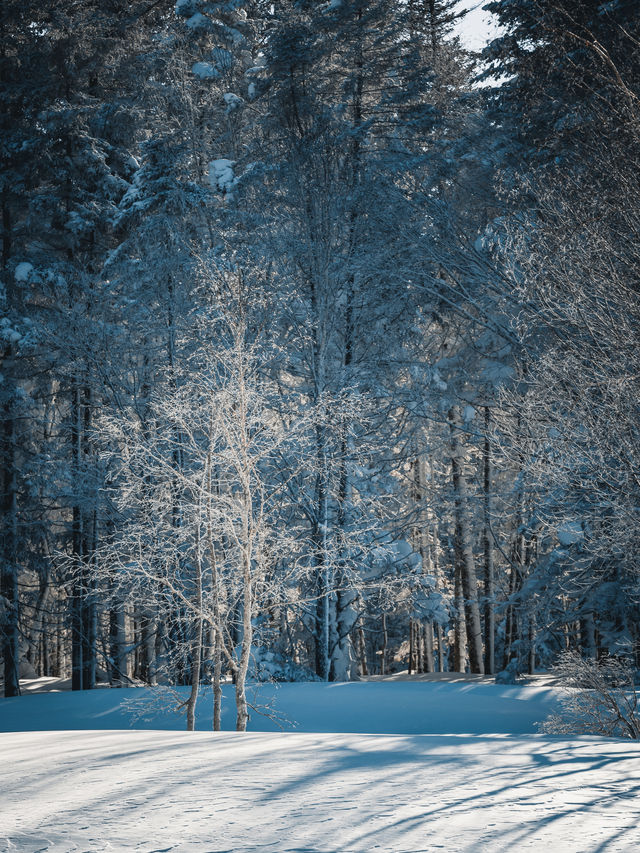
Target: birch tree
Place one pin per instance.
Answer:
(231, 554)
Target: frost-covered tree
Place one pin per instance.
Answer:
(569, 96)
(577, 405)
(202, 490)
(351, 100)
(440, 282)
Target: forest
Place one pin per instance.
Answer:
(320, 340)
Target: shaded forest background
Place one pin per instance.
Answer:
(320, 339)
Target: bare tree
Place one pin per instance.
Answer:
(220, 458)
(600, 698)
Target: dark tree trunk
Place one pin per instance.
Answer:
(460, 650)
(363, 651)
(464, 550)
(9, 567)
(489, 571)
(385, 643)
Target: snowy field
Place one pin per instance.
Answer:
(373, 707)
(95, 784)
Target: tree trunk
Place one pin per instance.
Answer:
(196, 646)
(45, 660)
(516, 627)
(89, 620)
(434, 551)
(89, 546)
(147, 665)
(532, 646)
(323, 616)
(217, 682)
(464, 550)
(38, 629)
(215, 589)
(441, 650)
(410, 666)
(385, 643)
(242, 712)
(118, 650)
(460, 649)
(344, 617)
(9, 621)
(83, 530)
(9, 566)
(588, 636)
(343, 656)
(77, 644)
(489, 570)
(364, 669)
(428, 647)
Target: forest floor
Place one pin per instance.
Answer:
(400, 766)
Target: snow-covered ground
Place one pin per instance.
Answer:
(373, 707)
(100, 785)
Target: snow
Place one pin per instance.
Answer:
(570, 533)
(163, 791)
(235, 35)
(8, 333)
(197, 21)
(23, 271)
(375, 706)
(185, 7)
(478, 27)
(468, 414)
(232, 101)
(221, 174)
(381, 765)
(204, 70)
(438, 381)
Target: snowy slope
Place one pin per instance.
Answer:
(280, 793)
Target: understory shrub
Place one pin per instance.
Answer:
(600, 698)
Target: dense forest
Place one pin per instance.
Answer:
(320, 339)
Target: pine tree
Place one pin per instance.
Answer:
(564, 61)
(67, 162)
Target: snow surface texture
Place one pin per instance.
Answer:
(311, 792)
(206, 793)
